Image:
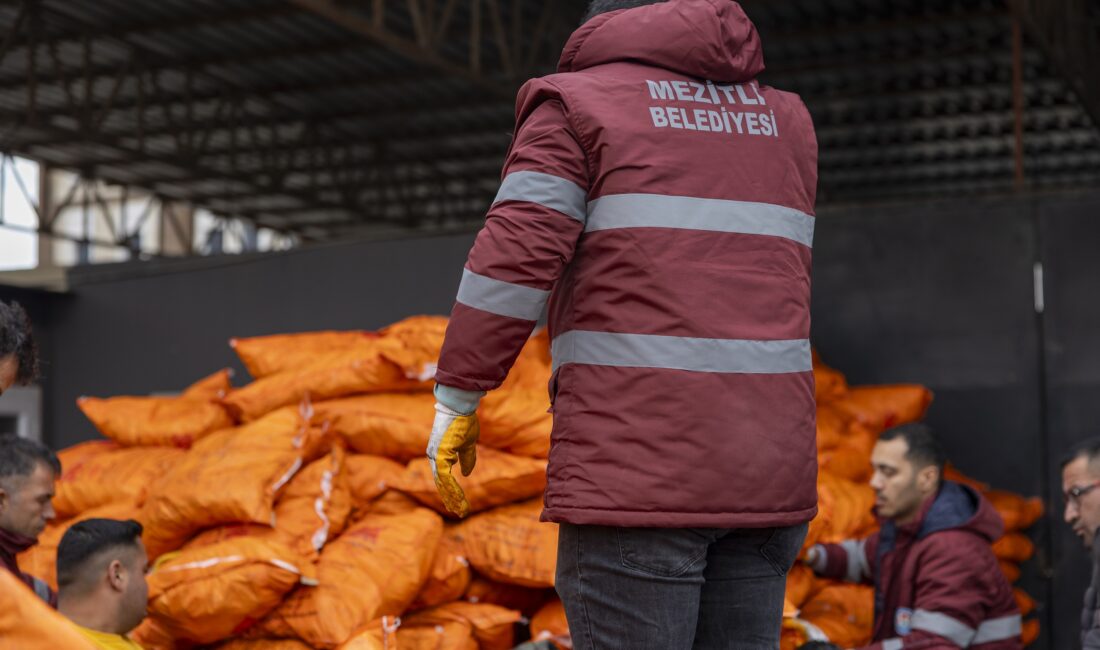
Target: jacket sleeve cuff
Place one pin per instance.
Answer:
(834, 562)
(462, 401)
(820, 558)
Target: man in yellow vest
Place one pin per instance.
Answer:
(101, 567)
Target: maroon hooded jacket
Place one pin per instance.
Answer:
(661, 201)
(937, 582)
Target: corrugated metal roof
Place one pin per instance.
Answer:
(322, 116)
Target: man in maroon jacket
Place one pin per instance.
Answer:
(658, 200)
(28, 470)
(937, 582)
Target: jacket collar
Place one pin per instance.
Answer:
(12, 544)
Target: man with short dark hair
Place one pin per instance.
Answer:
(28, 470)
(18, 351)
(1080, 478)
(657, 203)
(937, 582)
(101, 567)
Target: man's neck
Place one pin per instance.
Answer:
(91, 612)
(914, 514)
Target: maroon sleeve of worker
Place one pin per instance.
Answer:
(529, 237)
(852, 560)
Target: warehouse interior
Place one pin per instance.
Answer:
(350, 149)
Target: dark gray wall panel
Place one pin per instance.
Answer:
(940, 295)
(170, 324)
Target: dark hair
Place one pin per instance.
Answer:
(17, 339)
(19, 456)
(89, 538)
(924, 447)
(818, 645)
(597, 7)
(1089, 448)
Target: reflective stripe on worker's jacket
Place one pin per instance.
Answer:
(657, 205)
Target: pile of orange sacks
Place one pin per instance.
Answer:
(298, 511)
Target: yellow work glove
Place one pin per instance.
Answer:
(454, 440)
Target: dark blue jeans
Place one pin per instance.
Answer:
(675, 588)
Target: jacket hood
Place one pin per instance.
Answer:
(708, 39)
(960, 507)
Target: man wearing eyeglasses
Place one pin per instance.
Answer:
(1080, 478)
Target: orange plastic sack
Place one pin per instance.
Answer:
(844, 443)
(1014, 547)
(800, 584)
(375, 568)
(883, 407)
(550, 624)
(1025, 602)
(791, 635)
(392, 502)
(847, 462)
(262, 644)
(837, 427)
(269, 355)
(1030, 632)
(420, 340)
(829, 384)
(151, 635)
(377, 635)
(1011, 571)
(369, 476)
(212, 387)
(526, 600)
(333, 375)
(72, 456)
(207, 594)
(844, 612)
(394, 425)
(449, 576)
(219, 534)
(515, 417)
(517, 420)
(845, 509)
(231, 476)
(1017, 512)
(449, 635)
(510, 544)
(498, 478)
(121, 475)
(492, 626)
(28, 623)
(951, 473)
(154, 421)
(313, 509)
(40, 560)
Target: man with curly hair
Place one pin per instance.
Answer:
(18, 351)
